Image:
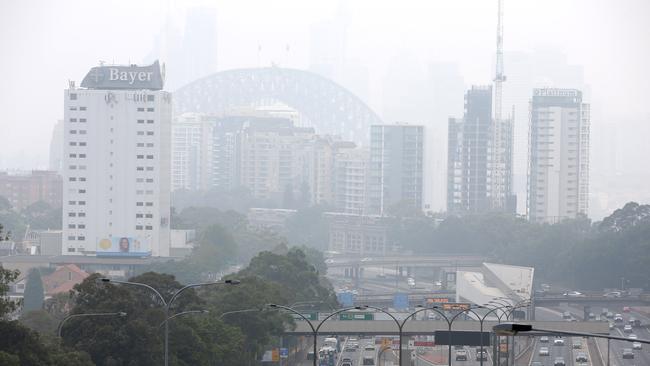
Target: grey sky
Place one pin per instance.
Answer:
(45, 43)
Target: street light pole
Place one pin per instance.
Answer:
(60, 327)
(167, 304)
(311, 325)
(184, 313)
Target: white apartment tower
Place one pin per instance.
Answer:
(116, 164)
(558, 172)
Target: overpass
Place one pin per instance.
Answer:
(428, 327)
(408, 261)
(592, 299)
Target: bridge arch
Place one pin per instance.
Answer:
(327, 106)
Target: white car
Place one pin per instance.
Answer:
(543, 351)
(627, 328)
(558, 342)
(636, 345)
(632, 336)
(573, 294)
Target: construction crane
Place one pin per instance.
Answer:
(502, 128)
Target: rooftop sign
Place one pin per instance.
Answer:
(124, 77)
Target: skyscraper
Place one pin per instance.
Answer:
(558, 170)
(468, 167)
(479, 176)
(116, 173)
(396, 167)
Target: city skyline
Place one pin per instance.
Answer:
(369, 52)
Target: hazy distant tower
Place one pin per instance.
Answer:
(558, 178)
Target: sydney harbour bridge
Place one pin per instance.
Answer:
(323, 104)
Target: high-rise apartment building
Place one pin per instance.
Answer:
(558, 171)
(192, 142)
(117, 152)
(479, 176)
(350, 178)
(396, 167)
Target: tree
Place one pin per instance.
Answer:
(41, 216)
(34, 293)
(7, 306)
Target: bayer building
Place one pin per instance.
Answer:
(116, 163)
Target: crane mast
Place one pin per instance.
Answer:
(502, 128)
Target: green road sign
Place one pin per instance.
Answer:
(356, 316)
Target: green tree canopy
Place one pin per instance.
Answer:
(34, 293)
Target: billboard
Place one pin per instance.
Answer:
(124, 77)
(123, 246)
(462, 338)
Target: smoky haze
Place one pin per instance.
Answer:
(410, 61)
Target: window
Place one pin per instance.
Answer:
(72, 155)
(70, 250)
(140, 133)
(149, 121)
(72, 179)
(82, 179)
(150, 98)
(71, 226)
(73, 108)
(149, 204)
(140, 168)
(82, 144)
(149, 191)
(149, 144)
(82, 214)
(72, 214)
(73, 132)
(150, 169)
(82, 108)
(140, 121)
(82, 156)
(149, 216)
(82, 120)
(138, 216)
(73, 96)
(140, 144)
(140, 156)
(82, 167)
(149, 156)
(139, 180)
(82, 132)
(82, 191)
(140, 109)
(149, 133)
(71, 237)
(72, 202)
(81, 226)
(138, 227)
(72, 143)
(82, 203)
(139, 203)
(150, 109)
(73, 120)
(81, 238)
(72, 167)
(149, 180)
(148, 227)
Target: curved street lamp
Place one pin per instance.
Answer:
(311, 325)
(183, 313)
(167, 304)
(240, 311)
(60, 327)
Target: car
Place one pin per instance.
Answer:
(349, 348)
(591, 316)
(558, 342)
(581, 357)
(567, 315)
(609, 315)
(632, 336)
(618, 318)
(481, 355)
(346, 359)
(369, 347)
(543, 351)
(461, 355)
(573, 294)
(576, 344)
(637, 345)
(628, 353)
(626, 309)
(410, 281)
(346, 363)
(627, 328)
(559, 361)
(613, 294)
(611, 325)
(543, 339)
